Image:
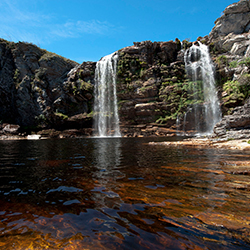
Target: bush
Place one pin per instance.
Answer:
(233, 64)
(246, 61)
(222, 60)
(235, 94)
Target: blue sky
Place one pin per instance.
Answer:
(86, 30)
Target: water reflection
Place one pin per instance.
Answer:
(117, 193)
(107, 154)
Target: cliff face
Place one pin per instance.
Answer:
(235, 20)
(229, 41)
(42, 89)
(154, 89)
(39, 88)
(145, 70)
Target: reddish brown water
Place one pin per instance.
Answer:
(122, 194)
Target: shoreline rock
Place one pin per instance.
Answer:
(207, 143)
(235, 126)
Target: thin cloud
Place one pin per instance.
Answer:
(12, 13)
(78, 28)
(19, 24)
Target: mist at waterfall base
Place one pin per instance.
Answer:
(106, 118)
(205, 112)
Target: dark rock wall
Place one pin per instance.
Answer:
(147, 73)
(41, 89)
(7, 87)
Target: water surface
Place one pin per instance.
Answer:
(121, 193)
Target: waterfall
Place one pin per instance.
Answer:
(177, 125)
(200, 70)
(106, 118)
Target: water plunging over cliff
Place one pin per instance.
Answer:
(199, 69)
(106, 118)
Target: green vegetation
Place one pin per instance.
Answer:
(48, 56)
(61, 115)
(222, 60)
(178, 97)
(233, 64)
(129, 68)
(82, 87)
(41, 121)
(236, 91)
(186, 43)
(234, 95)
(16, 78)
(246, 62)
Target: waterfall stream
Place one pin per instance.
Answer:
(199, 69)
(106, 118)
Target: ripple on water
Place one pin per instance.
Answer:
(147, 198)
(65, 189)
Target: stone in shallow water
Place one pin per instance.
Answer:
(34, 137)
(11, 128)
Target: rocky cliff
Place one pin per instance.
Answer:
(41, 90)
(229, 41)
(154, 90)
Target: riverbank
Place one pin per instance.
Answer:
(48, 134)
(208, 143)
(239, 144)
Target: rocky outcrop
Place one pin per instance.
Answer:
(41, 89)
(229, 42)
(231, 33)
(147, 75)
(235, 126)
(235, 20)
(153, 88)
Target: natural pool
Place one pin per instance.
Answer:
(122, 194)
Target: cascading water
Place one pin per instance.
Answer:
(106, 118)
(199, 68)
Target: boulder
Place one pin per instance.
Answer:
(240, 48)
(11, 129)
(240, 7)
(236, 20)
(235, 126)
